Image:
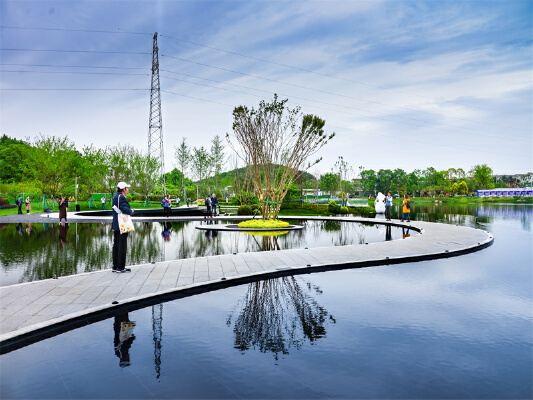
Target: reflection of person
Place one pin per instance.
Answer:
(388, 206)
(166, 231)
(124, 337)
(28, 205)
(28, 228)
(208, 234)
(405, 232)
(62, 204)
(63, 229)
(19, 203)
(19, 229)
(103, 202)
(388, 233)
(214, 202)
(120, 240)
(406, 210)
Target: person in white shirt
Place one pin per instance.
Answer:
(388, 206)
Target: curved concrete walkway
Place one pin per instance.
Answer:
(32, 308)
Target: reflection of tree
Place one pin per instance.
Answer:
(55, 251)
(269, 240)
(278, 314)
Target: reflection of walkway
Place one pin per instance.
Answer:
(30, 307)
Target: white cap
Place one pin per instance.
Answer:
(122, 185)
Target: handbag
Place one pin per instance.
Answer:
(124, 220)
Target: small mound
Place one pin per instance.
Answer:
(266, 224)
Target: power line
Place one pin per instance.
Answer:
(70, 66)
(251, 58)
(79, 51)
(70, 89)
(332, 93)
(429, 143)
(341, 106)
(258, 90)
(343, 112)
(314, 101)
(75, 72)
(269, 80)
(75, 30)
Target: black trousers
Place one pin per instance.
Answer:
(167, 211)
(120, 245)
(20, 209)
(388, 210)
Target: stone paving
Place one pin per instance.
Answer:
(32, 306)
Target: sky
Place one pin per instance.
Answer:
(403, 84)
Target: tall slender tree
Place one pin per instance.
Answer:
(182, 154)
(217, 157)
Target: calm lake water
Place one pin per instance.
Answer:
(30, 252)
(451, 328)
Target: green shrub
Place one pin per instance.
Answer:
(259, 223)
(129, 197)
(244, 210)
(344, 210)
(255, 207)
(333, 208)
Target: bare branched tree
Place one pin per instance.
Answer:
(274, 142)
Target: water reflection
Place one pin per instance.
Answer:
(278, 314)
(124, 337)
(66, 249)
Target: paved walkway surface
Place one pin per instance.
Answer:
(34, 306)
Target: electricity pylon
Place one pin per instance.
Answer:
(155, 130)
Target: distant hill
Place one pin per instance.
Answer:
(227, 178)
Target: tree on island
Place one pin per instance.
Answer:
(274, 142)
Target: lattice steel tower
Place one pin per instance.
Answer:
(155, 131)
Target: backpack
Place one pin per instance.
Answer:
(163, 202)
(408, 204)
(208, 202)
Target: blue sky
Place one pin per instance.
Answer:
(404, 84)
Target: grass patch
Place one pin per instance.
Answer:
(266, 224)
(266, 234)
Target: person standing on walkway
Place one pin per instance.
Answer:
(178, 201)
(214, 203)
(406, 208)
(209, 207)
(120, 240)
(19, 202)
(63, 205)
(388, 206)
(166, 206)
(103, 202)
(169, 205)
(28, 205)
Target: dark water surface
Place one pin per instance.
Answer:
(30, 252)
(451, 328)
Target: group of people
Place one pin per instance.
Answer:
(211, 204)
(406, 207)
(19, 203)
(166, 203)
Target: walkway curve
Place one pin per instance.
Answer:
(34, 310)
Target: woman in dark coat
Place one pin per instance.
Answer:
(63, 205)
